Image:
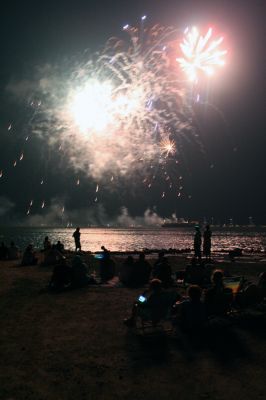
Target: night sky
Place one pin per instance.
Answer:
(223, 176)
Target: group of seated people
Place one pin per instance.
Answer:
(137, 273)
(192, 312)
(51, 254)
(72, 276)
(9, 253)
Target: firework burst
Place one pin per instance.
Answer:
(200, 53)
(111, 113)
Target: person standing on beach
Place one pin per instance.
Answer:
(197, 243)
(207, 242)
(76, 236)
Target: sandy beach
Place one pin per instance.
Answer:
(73, 345)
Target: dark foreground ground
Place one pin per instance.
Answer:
(74, 346)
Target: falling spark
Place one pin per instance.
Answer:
(42, 182)
(77, 183)
(31, 203)
(15, 163)
(21, 157)
(1, 174)
(9, 127)
(43, 204)
(97, 188)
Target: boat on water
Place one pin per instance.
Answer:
(179, 223)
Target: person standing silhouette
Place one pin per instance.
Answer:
(76, 236)
(197, 243)
(207, 242)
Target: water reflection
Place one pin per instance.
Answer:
(134, 239)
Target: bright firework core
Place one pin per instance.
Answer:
(200, 53)
(91, 106)
(96, 106)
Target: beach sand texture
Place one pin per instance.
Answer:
(74, 345)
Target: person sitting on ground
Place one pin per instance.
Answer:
(191, 312)
(29, 257)
(253, 294)
(46, 244)
(194, 274)
(262, 284)
(126, 274)
(13, 251)
(60, 247)
(80, 273)
(107, 267)
(218, 298)
(61, 277)
(3, 251)
(51, 256)
(153, 304)
(142, 270)
(157, 262)
(163, 272)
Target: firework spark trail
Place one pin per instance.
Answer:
(113, 111)
(124, 111)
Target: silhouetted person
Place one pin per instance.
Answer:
(29, 257)
(163, 272)
(207, 242)
(197, 243)
(191, 313)
(52, 256)
(46, 244)
(262, 284)
(61, 277)
(126, 275)
(13, 252)
(79, 273)
(153, 304)
(3, 251)
(157, 262)
(218, 298)
(253, 293)
(60, 247)
(194, 273)
(76, 236)
(142, 270)
(107, 267)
